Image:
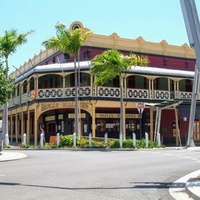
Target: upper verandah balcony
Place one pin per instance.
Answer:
(56, 81)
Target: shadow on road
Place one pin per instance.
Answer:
(136, 185)
(158, 185)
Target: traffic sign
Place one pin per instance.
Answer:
(140, 106)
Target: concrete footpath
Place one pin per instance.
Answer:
(11, 155)
(185, 188)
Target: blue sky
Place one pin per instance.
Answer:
(154, 20)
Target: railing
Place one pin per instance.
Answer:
(50, 93)
(185, 95)
(137, 93)
(106, 92)
(62, 93)
(161, 95)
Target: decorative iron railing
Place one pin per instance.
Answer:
(50, 93)
(161, 95)
(106, 92)
(185, 95)
(137, 93)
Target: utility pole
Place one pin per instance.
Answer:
(193, 31)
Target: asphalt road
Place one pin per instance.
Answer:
(95, 175)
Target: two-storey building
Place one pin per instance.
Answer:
(44, 93)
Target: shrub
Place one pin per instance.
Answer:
(115, 144)
(128, 143)
(97, 144)
(49, 145)
(152, 144)
(82, 142)
(26, 146)
(66, 141)
(141, 143)
(6, 146)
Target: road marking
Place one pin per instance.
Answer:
(2, 174)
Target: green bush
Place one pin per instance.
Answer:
(66, 141)
(115, 144)
(128, 143)
(82, 142)
(152, 144)
(49, 145)
(97, 144)
(6, 146)
(141, 143)
(25, 146)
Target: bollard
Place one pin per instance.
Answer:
(120, 140)
(134, 139)
(90, 139)
(41, 140)
(147, 139)
(58, 139)
(106, 139)
(24, 139)
(158, 140)
(6, 140)
(74, 139)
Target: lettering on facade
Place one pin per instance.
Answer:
(68, 105)
(50, 106)
(114, 115)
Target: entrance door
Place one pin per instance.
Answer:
(50, 130)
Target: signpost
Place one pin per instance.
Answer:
(140, 106)
(192, 25)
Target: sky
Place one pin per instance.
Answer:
(154, 20)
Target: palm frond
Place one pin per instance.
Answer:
(68, 41)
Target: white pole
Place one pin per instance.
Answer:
(24, 139)
(58, 139)
(147, 139)
(120, 140)
(90, 139)
(41, 140)
(6, 139)
(134, 139)
(106, 139)
(158, 140)
(74, 139)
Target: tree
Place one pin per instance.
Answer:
(111, 64)
(8, 45)
(69, 41)
(6, 85)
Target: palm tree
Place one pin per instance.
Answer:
(111, 64)
(68, 41)
(8, 45)
(6, 85)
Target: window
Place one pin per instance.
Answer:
(101, 125)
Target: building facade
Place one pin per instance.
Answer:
(44, 93)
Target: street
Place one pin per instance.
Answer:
(95, 175)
